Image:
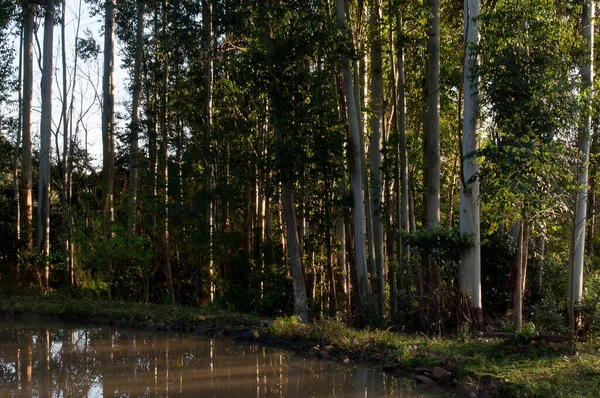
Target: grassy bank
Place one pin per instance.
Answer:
(501, 367)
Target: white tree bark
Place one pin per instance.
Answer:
(356, 182)
(470, 269)
(45, 144)
(578, 238)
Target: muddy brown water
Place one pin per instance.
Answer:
(57, 360)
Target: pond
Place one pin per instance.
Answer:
(61, 360)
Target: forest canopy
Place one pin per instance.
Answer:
(383, 162)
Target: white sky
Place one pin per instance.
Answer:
(89, 80)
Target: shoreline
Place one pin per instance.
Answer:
(447, 365)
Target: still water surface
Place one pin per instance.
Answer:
(39, 360)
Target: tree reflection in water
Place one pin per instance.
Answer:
(68, 361)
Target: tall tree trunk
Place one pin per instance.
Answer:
(135, 120)
(26, 196)
(356, 181)
(287, 198)
(433, 116)
(433, 158)
(402, 155)
(108, 143)
(69, 163)
(64, 197)
(16, 151)
(375, 148)
(470, 269)
(578, 238)
(45, 146)
(207, 15)
(164, 161)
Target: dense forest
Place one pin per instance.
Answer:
(418, 163)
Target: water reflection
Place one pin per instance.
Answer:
(67, 361)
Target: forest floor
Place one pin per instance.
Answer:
(463, 365)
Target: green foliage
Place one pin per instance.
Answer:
(117, 263)
(590, 306)
(529, 92)
(527, 334)
(446, 244)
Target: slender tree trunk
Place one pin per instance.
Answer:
(433, 116)
(66, 216)
(207, 16)
(520, 273)
(45, 146)
(402, 155)
(375, 148)
(26, 196)
(108, 143)
(578, 239)
(470, 270)
(69, 163)
(164, 161)
(135, 120)
(355, 175)
(287, 198)
(16, 152)
(433, 156)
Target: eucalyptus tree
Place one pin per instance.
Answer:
(470, 271)
(43, 244)
(433, 116)
(356, 165)
(207, 19)
(108, 140)
(26, 197)
(375, 148)
(135, 126)
(164, 149)
(580, 215)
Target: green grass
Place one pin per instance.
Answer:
(534, 370)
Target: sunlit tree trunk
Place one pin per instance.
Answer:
(43, 245)
(26, 196)
(470, 270)
(135, 120)
(108, 143)
(356, 181)
(375, 147)
(578, 239)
